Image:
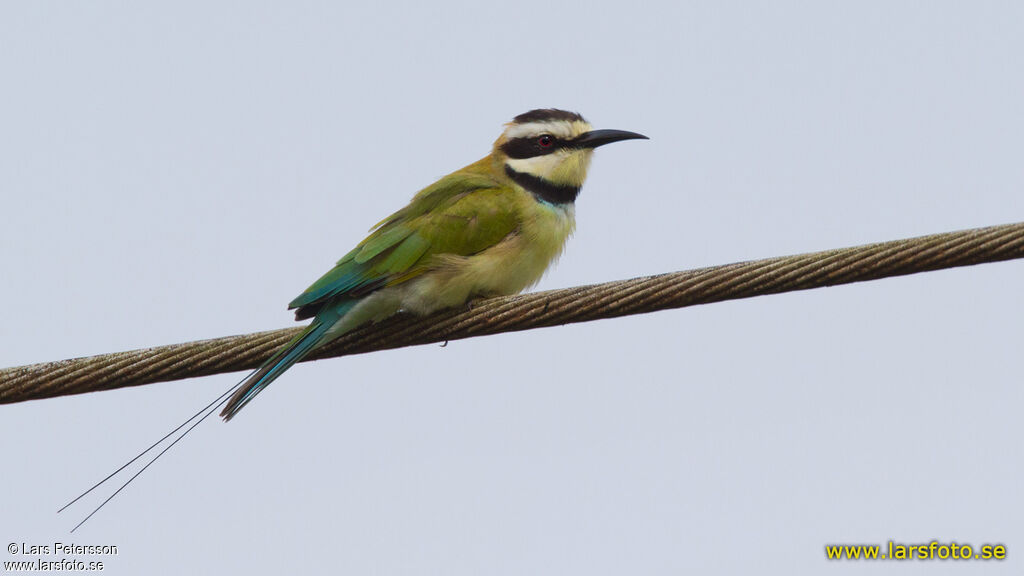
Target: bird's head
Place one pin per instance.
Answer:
(547, 151)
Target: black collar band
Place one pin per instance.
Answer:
(542, 189)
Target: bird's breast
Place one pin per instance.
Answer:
(510, 266)
(522, 258)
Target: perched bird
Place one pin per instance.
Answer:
(489, 229)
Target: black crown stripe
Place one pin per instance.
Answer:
(546, 114)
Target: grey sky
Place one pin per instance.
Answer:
(182, 172)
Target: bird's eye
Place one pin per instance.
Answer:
(545, 140)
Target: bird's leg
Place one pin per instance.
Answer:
(473, 302)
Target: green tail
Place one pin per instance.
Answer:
(292, 352)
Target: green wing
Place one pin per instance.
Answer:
(461, 214)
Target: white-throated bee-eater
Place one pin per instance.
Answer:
(489, 229)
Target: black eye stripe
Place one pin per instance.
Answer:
(528, 147)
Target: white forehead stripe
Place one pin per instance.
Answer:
(563, 129)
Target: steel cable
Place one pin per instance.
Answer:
(524, 312)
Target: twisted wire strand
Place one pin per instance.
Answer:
(524, 312)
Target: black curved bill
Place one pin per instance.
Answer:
(596, 138)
